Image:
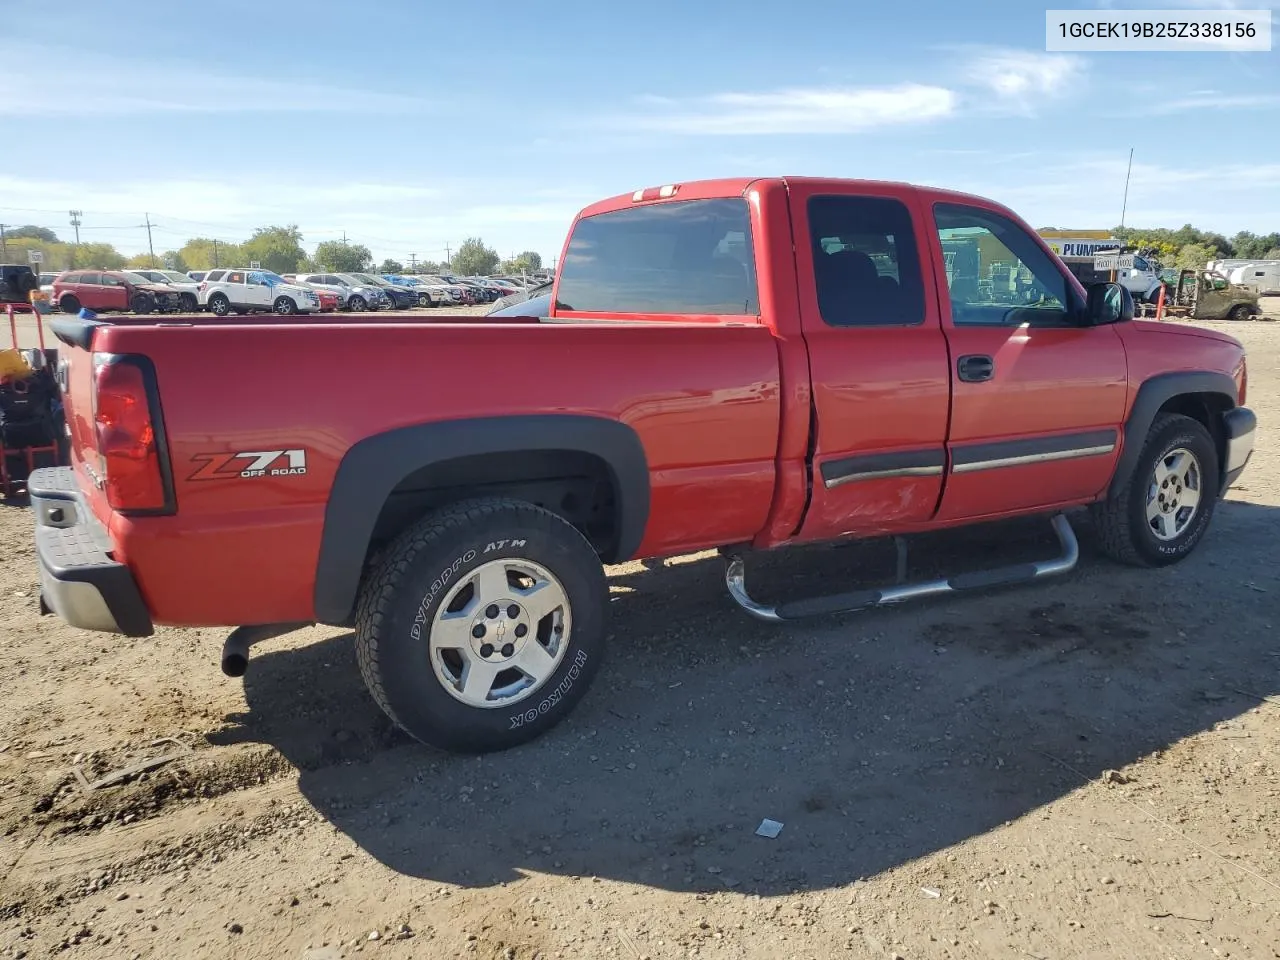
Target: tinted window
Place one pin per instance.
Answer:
(865, 261)
(107, 280)
(214, 275)
(92, 278)
(997, 275)
(692, 256)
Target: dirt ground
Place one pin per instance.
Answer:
(1087, 767)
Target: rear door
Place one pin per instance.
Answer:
(90, 292)
(877, 358)
(1038, 398)
(233, 285)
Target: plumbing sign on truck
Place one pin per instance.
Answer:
(1085, 253)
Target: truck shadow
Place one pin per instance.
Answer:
(876, 738)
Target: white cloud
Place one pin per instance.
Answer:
(1025, 77)
(799, 110)
(1211, 100)
(85, 85)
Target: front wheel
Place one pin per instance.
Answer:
(189, 302)
(424, 300)
(357, 304)
(141, 303)
(1241, 311)
(1164, 507)
(483, 625)
(285, 306)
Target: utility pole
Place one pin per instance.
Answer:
(1125, 206)
(448, 256)
(413, 259)
(150, 249)
(344, 236)
(215, 251)
(4, 244)
(75, 222)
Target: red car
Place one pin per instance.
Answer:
(740, 365)
(104, 290)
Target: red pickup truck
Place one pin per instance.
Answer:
(735, 364)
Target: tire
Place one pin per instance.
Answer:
(284, 306)
(141, 303)
(69, 304)
(424, 300)
(1241, 311)
(189, 303)
(1135, 532)
(406, 657)
(357, 304)
(219, 305)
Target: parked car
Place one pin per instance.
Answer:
(513, 302)
(46, 284)
(396, 297)
(793, 363)
(455, 292)
(429, 294)
(103, 290)
(186, 287)
(244, 291)
(355, 295)
(197, 275)
(17, 282)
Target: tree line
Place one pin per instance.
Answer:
(277, 248)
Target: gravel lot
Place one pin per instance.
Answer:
(1081, 768)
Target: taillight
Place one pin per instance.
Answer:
(125, 422)
(203, 286)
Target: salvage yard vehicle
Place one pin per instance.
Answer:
(243, 291)
(104, 290)
(354, 295)
(188, 289)
(735, 364)
(1208, 295)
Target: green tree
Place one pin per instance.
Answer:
(101, 255)
(143, 261)
(1194, 256)
(201, 253)
(173, 257)
(277, 248)
(526, 262)
(1273, 254)
(474, 258)
(32, 232)
(391, 266)
(344, 257)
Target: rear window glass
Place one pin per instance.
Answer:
(214, 275)
(690, 256)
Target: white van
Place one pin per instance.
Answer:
(1263, 277)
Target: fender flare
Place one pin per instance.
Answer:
(372, 468)
(1152, 395)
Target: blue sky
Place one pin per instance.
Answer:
(414, 125)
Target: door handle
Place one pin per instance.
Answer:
(975, 368)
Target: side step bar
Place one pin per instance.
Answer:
(735, 579)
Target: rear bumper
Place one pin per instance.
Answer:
(79, 581)
(1239, 425)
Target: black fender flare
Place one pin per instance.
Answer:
(1152, 395)
(372, 468)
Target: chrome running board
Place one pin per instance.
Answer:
(735, 579)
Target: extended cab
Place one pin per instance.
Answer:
(733, 364)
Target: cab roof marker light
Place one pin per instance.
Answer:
(637, 196)
(669, 190)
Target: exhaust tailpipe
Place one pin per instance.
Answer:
(235, 650)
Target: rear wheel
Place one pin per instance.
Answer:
(219, 305)
(69, 304)
(285, 306)
(482, 625)
(1240, 311)
(1165, 506)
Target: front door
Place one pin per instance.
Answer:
(1038, 398)
(113, 294)
(877, 358)
(258, 291)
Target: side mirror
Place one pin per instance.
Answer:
(1108, 303)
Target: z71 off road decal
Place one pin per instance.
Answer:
(250, 463)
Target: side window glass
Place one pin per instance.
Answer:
(866, 262)
(214, 275)
(997, 275)
(235, 278)
(94, 279)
